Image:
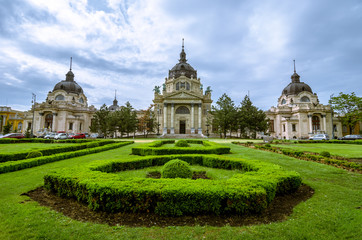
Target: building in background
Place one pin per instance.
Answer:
(12, 117)
(299, 114)
(65, 109)
(182, 108)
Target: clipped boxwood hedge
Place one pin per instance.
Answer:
(14, 156)
(97, 185)
(155, 148)
(12, 166)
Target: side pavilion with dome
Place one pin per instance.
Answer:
(182, 107)
(65, 109)
(299, 114)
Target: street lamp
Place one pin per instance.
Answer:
(32, 123)
(332, 118)
(158, 121)
(207, 123)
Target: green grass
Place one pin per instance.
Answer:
(344, 150)
(12, 148)
(332, 213)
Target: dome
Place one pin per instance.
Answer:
(182, 68)
(296, 87)
(68, 85)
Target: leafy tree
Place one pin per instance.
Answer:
(350, 107)
(100, 121)
(250, 118)
(224, 114)
(7, 128)
(129, 119)
(146, 122)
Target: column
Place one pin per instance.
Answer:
(324, 123)
(192, 119)
(310, 124)
(165, 118)
(172, 116)
(200, 129)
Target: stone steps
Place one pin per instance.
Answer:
(179, 136)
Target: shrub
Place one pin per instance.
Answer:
(182, 143)
(34, 154)
(176, 169)
(325, 154)
(267, 145)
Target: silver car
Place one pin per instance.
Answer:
(320, 137)
(61, 136)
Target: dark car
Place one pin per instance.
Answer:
(13, 135)
(351, 137)
(76, 136)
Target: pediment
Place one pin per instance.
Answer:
(183, 95)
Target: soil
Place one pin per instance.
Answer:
(279, 210)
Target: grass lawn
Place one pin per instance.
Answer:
(334, 212)
(344, 150)
(10, 148)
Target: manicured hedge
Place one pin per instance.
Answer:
(155, 148)
(313, 157)
(14, 156)
(98, 186)
(334, 141)
(12, 166)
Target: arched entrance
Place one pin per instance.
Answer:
(315, 123)
(49, 121)
(182, 127)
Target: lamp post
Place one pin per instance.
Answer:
(332, 118)
(207, 123)
(32, 123)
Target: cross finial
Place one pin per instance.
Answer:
(115, 94)
(70, 63)
(294, 65)
(182, 43)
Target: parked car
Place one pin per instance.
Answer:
(61, 136)
(320, 137)
(13, 135)
(351, 137)
(50, 135)
(76, 136)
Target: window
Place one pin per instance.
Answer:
(315, 123)
(305, 99)
(283, 127)
(81, 100)
(182, 110)
(182, 85)
(187, 86)
(294, 127)
(283, 101)
(80, 126)
(335, 128)
(29, 125)
(178, 86)
(70, 126)
(59, 97)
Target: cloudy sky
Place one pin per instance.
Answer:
(236, 46)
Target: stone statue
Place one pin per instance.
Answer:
(157, 89)
(208, 90)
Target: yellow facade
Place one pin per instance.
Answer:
(15, 118)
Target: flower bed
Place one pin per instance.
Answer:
(155, 148)
(98, 186)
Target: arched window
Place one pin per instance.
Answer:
(284, 101)
(187, 86)
(178, 86)
(59, 97)
(315, 123)
(182, 110)
(81, 100)
(305, 99)
(49, 121)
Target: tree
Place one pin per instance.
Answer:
(224, 114)
(100, 121)
(7, 128)
(250, 118)
(146, 122)
(349, 106)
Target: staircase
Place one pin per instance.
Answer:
(179, 136)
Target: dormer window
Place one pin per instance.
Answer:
(284, 101)
(81, 100)
(59, 97)
(305, 99)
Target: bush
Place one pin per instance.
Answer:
(182, 143)
(325, 154)
(34, 154)
(176, 169)
(267, 145)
